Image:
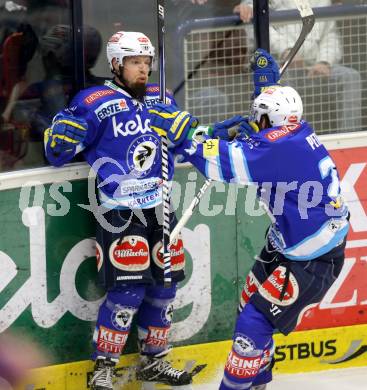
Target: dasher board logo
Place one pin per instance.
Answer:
(110, 108)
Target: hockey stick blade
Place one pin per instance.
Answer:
(303, 8)
(308, 21)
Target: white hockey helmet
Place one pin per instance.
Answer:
(127, 43)
(282, 105)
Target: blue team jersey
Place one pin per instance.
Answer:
(120, 146)
(296, 180)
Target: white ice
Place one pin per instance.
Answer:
(342, 379)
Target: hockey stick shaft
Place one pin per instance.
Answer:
(308, 20)
(164, 149)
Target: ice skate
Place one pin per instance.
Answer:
(103, 374)
(155, 369)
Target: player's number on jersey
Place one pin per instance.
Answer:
(327, 167)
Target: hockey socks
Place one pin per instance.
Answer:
(154, 319)
(251, 351)
(114, 320)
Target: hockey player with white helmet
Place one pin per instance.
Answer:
(297, 181)
(109, 124)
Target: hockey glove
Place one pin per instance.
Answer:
(247, 127)
(227, 130)
(168, 121)
(265, 71)
(66, 133)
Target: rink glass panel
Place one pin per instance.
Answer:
(36, 61)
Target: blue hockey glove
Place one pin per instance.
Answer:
(247, 127)
(168, 121)
(227, 129)
(265, 71)
(66, 133)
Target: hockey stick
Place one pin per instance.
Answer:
(308, 21)
(164, 150)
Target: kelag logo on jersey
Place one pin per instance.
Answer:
(110, 108)
(131, 127)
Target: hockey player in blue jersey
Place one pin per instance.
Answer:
(298, 183)
(109, 124)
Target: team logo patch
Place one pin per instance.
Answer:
(273, 286)
(99, 256)
(243, 345)
(98, 95)
(250, 287)
(131, 254)
(334, 225)
(262, 62)
(122, 317)
(111, 341)
(142, 154)
(110, 108)
(177, 255)
(167, 314)
(157, 337)
(281, 132)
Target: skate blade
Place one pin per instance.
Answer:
(161, 386)
(191, 369)
(197, 369)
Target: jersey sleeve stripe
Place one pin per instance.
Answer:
(314, 246)
(213, 169)
(239, 165)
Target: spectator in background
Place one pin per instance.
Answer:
(215, 83)
(18, 44)
(320, 56)
(41, 100)
(54, 91)
(22, 24)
